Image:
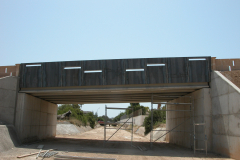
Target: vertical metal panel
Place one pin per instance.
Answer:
(177, 70)
(114, 72)
(32, 76)
(92, 78)
(135, 77)
(156, 74)
(71, 77)
(22, 80)
(199, 70)
(52, 74)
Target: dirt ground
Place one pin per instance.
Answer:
(91, 144)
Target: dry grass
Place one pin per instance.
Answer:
(76, 122)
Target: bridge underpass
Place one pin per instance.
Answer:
(41, 86)
(102, 81)
(108, 81)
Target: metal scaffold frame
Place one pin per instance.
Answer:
(205, 138)
(191, 110)
(105, 124)
(193, 130)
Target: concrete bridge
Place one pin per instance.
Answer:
(114, 81)
(30, 92)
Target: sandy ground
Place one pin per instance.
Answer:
(91, 144)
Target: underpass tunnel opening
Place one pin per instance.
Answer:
(46, 126)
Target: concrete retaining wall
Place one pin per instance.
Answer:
(226, 116)
(35, 118)
(8, 92)
(219, 108)
(138, 120)
(202, 114)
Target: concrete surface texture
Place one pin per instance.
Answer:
(35, 118)
(160, 133)
(202, 114)
(233, 76)
(70, 129)
(8, 93)
(138, 120)
(8, 138)
(90, 144)
(226, 116)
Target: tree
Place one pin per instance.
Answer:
(136, 106)
(77, 113)
(158, 116)
(117, 118)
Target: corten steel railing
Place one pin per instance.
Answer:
(105, 124)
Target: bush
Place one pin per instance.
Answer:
(77, 115)
(158, 116)
(91, 119)
(84, 120)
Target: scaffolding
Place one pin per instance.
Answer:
(196, 139)
(192, 132)
(191, 110)
(105, 124)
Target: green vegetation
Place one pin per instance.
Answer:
(135, 106)
(159, 116)
(117, 118)
(77, 116)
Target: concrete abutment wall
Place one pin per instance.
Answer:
(202, 114)
(219, 108)
(32, 118)
(35, 118)
(8, 94)
(226, 116)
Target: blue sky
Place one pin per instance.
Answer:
(60, 30)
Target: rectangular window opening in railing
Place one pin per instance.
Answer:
(5, 70)
(33, 65)
(93, 71)
(155, 64)
(135, 70)
(75, 67)
(233, 63)
(197, 59)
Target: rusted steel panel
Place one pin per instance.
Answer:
(197, 71)
(32, 76)
(155, 72)
(135, 77)
(177, 70)
(71, 76)
(114, 72)
(94, 78)
(223, 64)
(52, 74)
